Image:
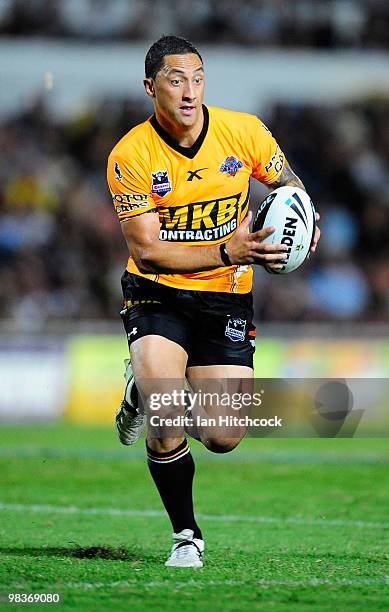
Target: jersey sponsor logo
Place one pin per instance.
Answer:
(277, 161)
(231, 165)
(236, 329)
(127, 197)
(199, 221)
(122, 208)
(118, 173)
(195, 174)
(126, 202)
(160, 183)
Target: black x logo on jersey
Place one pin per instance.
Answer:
(195, 174)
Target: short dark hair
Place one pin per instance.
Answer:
(167, 45)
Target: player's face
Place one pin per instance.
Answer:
(178, 90)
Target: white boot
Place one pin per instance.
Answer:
(129, 420)
(187, 551)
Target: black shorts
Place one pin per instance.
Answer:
(214, 328)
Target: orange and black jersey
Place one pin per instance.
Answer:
(200, 193)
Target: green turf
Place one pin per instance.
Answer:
(304, 524)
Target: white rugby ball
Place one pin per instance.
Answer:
(290, 210)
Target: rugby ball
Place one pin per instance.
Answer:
(290, 210)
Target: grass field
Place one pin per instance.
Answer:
(289, 524)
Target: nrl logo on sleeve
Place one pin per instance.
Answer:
(236, 329)
(231, 165)
(160, 183)
(118, 174)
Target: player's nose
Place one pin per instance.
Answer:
(189, 92)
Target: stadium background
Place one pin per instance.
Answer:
(71, 72)
(71, 87)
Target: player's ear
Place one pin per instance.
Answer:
(149, 87)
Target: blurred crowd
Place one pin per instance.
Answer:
(302, 23)
(61, 248)
(342, 155)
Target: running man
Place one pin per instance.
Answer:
(180, 186)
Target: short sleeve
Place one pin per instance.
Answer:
(266, 156)
(130, 192)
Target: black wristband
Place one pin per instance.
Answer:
(224, 255)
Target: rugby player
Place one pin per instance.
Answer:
(180, 186)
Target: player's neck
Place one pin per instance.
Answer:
(184, 136)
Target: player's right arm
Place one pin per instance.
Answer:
(140, 224)
(154, 256)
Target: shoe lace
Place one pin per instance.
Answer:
(128, 416)
(183, 548)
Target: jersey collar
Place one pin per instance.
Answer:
(189, 152)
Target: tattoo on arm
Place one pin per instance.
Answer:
(287, 177)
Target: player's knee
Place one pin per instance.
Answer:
(164, 445)
(221, 445)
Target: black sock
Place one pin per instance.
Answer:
(173, 474)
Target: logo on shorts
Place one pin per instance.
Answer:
(231, 165)
(160, 183)
(236, 329)
(118, 173)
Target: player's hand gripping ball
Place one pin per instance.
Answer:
(290, 210)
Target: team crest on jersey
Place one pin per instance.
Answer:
(160, 183)
(118, 173)
(231, 165)
(236, 329)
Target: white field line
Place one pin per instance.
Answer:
(299, 457)
(206, 584)
(224, 518)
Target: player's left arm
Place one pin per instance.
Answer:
(270, 165)
(290, 178)
(287, 177)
